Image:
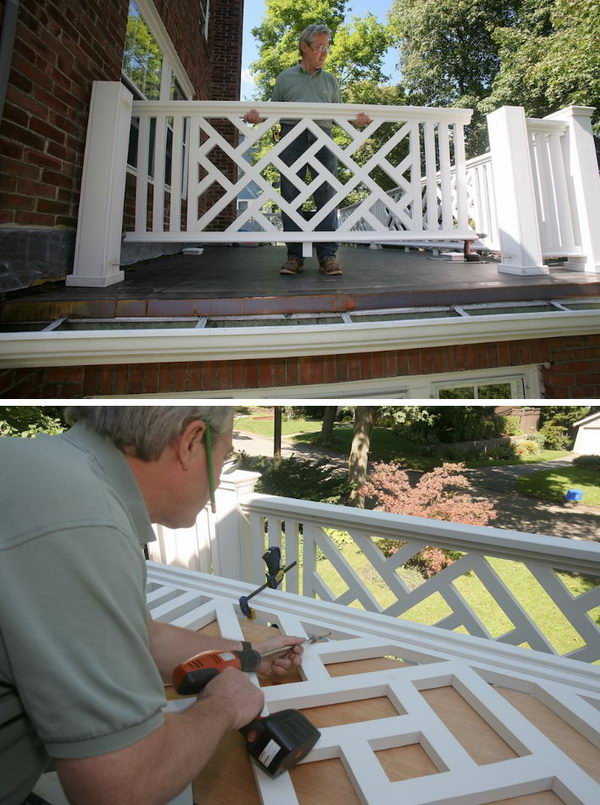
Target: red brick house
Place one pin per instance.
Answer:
(157, 48)
(396, 325)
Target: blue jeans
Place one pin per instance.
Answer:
(322, 195)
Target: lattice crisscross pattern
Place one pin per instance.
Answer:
(215, 158)
(475, 670)
(486, 564)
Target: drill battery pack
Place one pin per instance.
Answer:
(279, 741)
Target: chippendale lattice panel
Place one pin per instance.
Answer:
(486, 591)
(542, 711)
(409, 149)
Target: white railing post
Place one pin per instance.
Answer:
(232, 540)
(518, 226)
(99, 224)
(583, 180)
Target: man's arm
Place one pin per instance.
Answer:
(154, 770)
(171, 645)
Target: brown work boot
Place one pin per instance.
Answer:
(293, 265)
(330, 266)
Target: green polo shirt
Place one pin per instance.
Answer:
(76, 675)
(297, 85)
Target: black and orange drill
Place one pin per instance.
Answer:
(276, 742)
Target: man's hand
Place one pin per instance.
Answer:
(235, 694)
(253, 116)
(280, 664)
(362, 120)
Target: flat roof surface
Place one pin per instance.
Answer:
(246, 281)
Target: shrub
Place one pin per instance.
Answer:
(587, 462)
(297, 478)
(503, 452)
(556, 437)
(511, 425)
(528, 448)
(437, 494)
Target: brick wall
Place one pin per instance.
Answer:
(61, 47)
(573, 370)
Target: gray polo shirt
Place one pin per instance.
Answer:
(297, 85)
(76, 675)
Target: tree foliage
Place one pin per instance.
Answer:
(27, 421)
(439, 494)
(539, 54)
(551, 60)
(356, 54)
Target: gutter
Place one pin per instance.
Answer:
(7, 42)
(86, 347)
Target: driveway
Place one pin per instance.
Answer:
(497, 484)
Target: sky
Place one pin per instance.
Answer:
(254, 12)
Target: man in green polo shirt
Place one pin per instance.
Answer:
(308, 82)
(82, 665)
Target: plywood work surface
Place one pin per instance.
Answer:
(229, 775)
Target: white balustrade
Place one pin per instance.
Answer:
(481, 206)
(301, 529)
(402, 179)
(555, 214)
(222, 166)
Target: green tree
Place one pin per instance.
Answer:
(483, 54)
(356, 55)
(27, 421)
(551, 60)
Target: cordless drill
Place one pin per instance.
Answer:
(276, 742)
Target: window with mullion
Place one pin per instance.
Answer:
(204, 16)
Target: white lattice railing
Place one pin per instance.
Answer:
(481, 204)
(487, 557)
(220, 155)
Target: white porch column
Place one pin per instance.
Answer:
(581, 167)
(99, 224)
(520, 242)
(231, 541)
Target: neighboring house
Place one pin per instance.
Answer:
(587, 441)
(159, 49)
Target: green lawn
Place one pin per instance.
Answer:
(262, 425)
(387, 446)
(552, 484)
(543, 455)
(516, 577)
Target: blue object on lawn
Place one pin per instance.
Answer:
(574, 494)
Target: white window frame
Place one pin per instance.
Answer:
(172, 67)
(204, 16)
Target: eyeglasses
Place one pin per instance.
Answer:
(320, 48)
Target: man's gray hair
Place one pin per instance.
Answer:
(308, 33)
(147, 429)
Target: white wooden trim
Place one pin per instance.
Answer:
(72, 348)
(159, 31)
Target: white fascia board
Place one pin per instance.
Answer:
(90, 347)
